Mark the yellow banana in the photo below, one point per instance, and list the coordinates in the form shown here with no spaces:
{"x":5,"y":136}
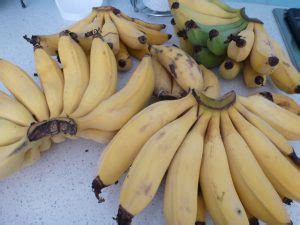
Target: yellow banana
{"x":124,"y":147}
{"x":252,"y":79}
{"x":181,"y":66}
{"x":284,"y":121}
{"x":163,"y":81}
{"x":177,"y":91}
{"x":52,"y":80}
{"x":103,"y":78}
{"x":58,"y":139}
{"x":12,"y":110}
{"x":200,"y":220}
{"x":240,"y":47}
{"x":181,"y":189}
{"x":114,"y":112}
{"x":263,"y":58}
{"x":254,"y":189}
{"x":99,"y":136}
{"x":129,"y":34}
{"x":229,"y":69}
{"x":139,"y":53}
{"x":8,"y":150}
{"x":221,"y":199}
{"x":283,"y":175}
{"x":96,"y":24}
{"x":285,"y":77}
{"x":45,"y":144}
{"x":149,"y":167}
{"x":211,"y":83}
{"x":76,"y":72}
{"x":10,"y":132}
{"x":186,"y":46}
{"x":80,"y":25}
{"x":123,"y":58}
{"x":110,"y":34}
{"x":31,"y":156}
{"x":24,"y":89}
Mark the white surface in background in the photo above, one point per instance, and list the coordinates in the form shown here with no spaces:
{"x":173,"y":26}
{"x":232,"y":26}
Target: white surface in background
{"x":76,"y":9}
{"x":57,"y":189}
{"x":158,"y":5}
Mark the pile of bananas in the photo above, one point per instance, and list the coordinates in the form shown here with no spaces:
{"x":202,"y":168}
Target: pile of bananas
{"x":125,"y":35}
{"x":217,"y":35}
{"x":78,"y":100}
{"x":228,"y":155}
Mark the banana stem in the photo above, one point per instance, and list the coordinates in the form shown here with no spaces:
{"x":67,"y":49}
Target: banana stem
{"x":97,"y":186}
{"x":51,"y":127}
{"x":123,"y":217}
{"x":34,"y":40}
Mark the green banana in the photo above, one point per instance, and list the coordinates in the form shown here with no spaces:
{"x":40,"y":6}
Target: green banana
{"x":204,"y":56}
{"x":218,"y":41}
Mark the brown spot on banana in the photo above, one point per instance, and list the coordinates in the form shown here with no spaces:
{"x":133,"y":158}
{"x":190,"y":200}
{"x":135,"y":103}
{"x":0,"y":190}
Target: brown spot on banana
{"x":173,"y":70}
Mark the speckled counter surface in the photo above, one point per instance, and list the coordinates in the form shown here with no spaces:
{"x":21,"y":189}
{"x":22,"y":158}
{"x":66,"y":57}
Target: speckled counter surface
{"x":57,"y":189}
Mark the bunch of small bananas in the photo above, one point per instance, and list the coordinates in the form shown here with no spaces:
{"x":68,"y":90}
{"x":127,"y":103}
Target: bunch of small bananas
{"x":78,"y":100}
{"x":217,"y":35}
{"x":228,"y":155}
{"x":125,"y":35}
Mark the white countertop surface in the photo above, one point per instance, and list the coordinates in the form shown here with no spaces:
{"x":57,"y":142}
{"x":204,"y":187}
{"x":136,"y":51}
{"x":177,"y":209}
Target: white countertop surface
{"x":57,"y":189}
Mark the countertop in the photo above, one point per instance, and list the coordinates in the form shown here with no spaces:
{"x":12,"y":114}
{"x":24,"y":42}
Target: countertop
{"x":57,"y":189}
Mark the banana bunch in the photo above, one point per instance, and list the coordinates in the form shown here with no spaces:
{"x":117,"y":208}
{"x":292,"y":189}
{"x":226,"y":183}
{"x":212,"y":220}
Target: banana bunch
{"x":78,"y":99}
{"x":234,"y":149}
{"x":123,"y":34}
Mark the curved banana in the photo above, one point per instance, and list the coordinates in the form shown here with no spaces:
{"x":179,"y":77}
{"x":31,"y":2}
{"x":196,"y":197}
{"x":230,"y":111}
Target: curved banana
{"x":253,"y":187}
{"x":114,"y":112}
{"x":99,"y":136}
{"x":21,"y":85}
{"x":10,"y":132}
{"x":103,"y":78}
{"x":76,"y":72}
{"x":221,"y":199}
{"x":283,"y":175}
{"x":181,"y":189}
{"x":96,"y":24}
{"x":186,"y":46}
{"x":123,"y":58}
{"x":200,"y":220}
{"x":211,"y":83}
{"x":181,"y":66}
{"x":110,"y":34}
{"x":52,"y":80}
{"x":11,"y":109}
{"x":139,"y":53}
{"x":229,"y":69}
{"x":284,"y":121}
{"x":114,"y":161}
{"x":128,"y":32}
{"x":253,"y":79}
{"x":147,"y":172}
{"x":241,"y":45}
{"x":263,"y":58}
{"x":177,"y":91}
{"x":205,"y":57}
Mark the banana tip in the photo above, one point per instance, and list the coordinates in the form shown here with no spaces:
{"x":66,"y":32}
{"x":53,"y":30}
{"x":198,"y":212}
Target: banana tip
{"x":267,"y":95}
{"x":97,"y":186}
{"x":287,"y":201}
{"x":253,"y":221}
{"x":169,"y":36}
{"x":273,"y":61}
{"x":123,"y":217}
{"x":293,"y":156}
{"x":200,"y":223}
{"x":122,"y":63}
{"x":142,"y":39}
{"x":297,"y":89}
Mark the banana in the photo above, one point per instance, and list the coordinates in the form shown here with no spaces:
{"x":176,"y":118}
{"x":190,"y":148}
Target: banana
{"x":110,"y":34}
{"x":224,"y":6}
{"x":24,"y":89}
{"x":186,"y":46}
{"x":58,"y":139}
{"x":163,"y":81}
{"x":253,"y":79}
{"x":200,"y":220}
{"x":177,"y":91}
{"x":103,"y":78}
{"x":218,"y":41}
{"x":11,"y":109}
{"x":8,"y":150}
{"x":114,"y":161}
{"x":31,"y":156}
{"x":115,"y":111}
{"x":263,"y":58}
{"x":123,"y":58}
{"x":96,"y":24}
{"x":221,"y":199}
{"x":128,"y":33}
{"x":76,"y":72}
{"x":99,"y":136}
{"x":205,"y":57}
{"x":10,"y":132}
{"x":211,"y":83}
{"x":139,"y":53}
{"x":229,"y":69}
{"x":285,"y":122}
{"x":254,"y":189}
{"x":283,"y":175}
{"x":180,"y":65}
{"x":241,"y":45}
{"x":181,"y":189}
{"x":80,"y":25}
{"x":52,"y":80}
{"x":278,"y":139}
{"x":149,"y":167}
{"x":283,"y":101}
{"x":285,"y":77}
{"x":45,"y":144}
